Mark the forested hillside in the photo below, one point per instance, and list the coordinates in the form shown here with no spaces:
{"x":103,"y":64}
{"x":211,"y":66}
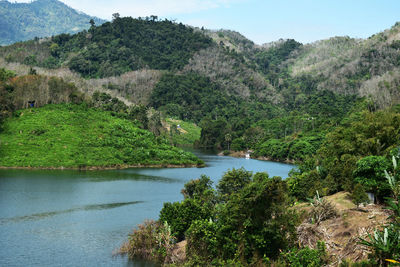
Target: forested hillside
{"x":279,"y":99}
{"x":367,"y":68}
{"x":40,"y":18}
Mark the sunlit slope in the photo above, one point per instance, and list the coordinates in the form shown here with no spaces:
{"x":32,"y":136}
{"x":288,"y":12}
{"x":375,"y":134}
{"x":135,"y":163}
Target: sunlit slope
{"x":75,"y":136}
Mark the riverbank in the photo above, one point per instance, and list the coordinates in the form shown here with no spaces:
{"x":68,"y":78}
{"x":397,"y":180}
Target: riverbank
{"x":119,"y":167}
{"x":242,"y":154}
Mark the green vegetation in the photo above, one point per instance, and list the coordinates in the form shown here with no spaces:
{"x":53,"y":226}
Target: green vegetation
{"x":116,"y":47}
{"x":306,"y":257}
{"x":242,"y":223}
{"x":76,"y":136}
{"x":183,"y":133}
{"x":41,"y":18}
{"x":359,"y":196}
{"x":357,"y":151}
{"x":385,"y":243}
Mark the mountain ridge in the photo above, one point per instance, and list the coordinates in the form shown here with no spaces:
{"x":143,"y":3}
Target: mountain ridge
{"x":40,"y":18}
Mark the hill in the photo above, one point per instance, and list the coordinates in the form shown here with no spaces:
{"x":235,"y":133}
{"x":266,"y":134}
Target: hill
{"x":76,"y":136}
{"x":368,"y":68}
{"x":40,"y":18}
{"x":276,"y":99}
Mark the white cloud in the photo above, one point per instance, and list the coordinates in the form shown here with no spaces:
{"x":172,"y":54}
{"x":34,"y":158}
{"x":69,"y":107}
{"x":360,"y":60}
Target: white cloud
{"x":137,"y":8}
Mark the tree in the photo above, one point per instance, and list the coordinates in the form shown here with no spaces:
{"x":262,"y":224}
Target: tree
{"x":232,"y":182}
{"x":228,"y":140}
{"x":359,"y":196}
{"x":370,"y":172}
{"x":200,"y":189}
{"x":115,"y":16}
{"x":92,"y":23}
{"x":255,"y":221}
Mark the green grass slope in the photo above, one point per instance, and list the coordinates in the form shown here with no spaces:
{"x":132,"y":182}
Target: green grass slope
{"x":75,"y":136}
{"x":186,"y":134}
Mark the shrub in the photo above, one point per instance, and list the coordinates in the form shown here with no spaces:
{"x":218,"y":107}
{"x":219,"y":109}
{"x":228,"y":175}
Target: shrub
{"x":306,"y":256}
{"x":180,"y":215}
{"x":202,"y":244}
{"x":150,"y":241}
{"x":321,"y":210}
{"x":359,"y":196}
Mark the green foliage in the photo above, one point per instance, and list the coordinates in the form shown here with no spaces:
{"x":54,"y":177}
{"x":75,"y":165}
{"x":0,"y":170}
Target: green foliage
{"x":200,"y":189}
{"x":306,"y":256}
{"x":241,"y":227}
{"x":6,"y":74}
{"x":269,"y":59}
{"x":304,"y":185}
{"x":68,"y":135}
{"x":6,"y":100}
{"x":202,"y":247}
{"x":196,"y":95}
{"x":127,"y":44}
{"x":361,"y":135}
{"x":150,"y":241}
{"x":255,"y":222}
{"x":187,"y":134}
{"x":369,"y":172}
{"x":385,"y":244}
{"x":180,"y":215}
{"x":46,"y":18}
{"x":359,"y":196}
{"x":232,"y":182}
{"x":108,"y":103}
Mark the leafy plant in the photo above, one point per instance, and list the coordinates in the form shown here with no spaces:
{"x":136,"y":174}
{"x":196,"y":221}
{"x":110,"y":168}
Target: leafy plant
{"x":321,"y":210}
{"x":306,"y":256}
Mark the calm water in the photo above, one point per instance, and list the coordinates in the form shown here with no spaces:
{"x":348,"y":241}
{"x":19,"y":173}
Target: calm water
{"x":72,"y":218}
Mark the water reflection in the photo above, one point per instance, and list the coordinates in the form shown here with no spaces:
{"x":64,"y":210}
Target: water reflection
{"x":44,"y":215}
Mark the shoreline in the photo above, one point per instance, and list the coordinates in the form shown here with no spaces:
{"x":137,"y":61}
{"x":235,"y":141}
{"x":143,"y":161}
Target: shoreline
{"x":242,"y":154}
{"x":97,"y":168}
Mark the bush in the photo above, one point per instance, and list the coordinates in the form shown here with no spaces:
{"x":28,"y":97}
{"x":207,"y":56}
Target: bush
{"x":150,"y":241}
{"x":359,"y":196}
{"x":306,"y":256}
{"x":202,"y":244}
{"x":321,"y":210}
{"x":180,"y":215}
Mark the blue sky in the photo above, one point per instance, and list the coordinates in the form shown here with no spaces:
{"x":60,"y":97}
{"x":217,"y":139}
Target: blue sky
{"x":261,"y":20}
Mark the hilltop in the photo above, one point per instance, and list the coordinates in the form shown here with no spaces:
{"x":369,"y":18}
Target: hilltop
{"x":40,"y":18}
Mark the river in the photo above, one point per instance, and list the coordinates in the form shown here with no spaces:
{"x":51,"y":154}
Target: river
{"x":73,"y":218}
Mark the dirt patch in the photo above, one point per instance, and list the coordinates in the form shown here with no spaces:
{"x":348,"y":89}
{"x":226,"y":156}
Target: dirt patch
{"x":342,"y":234}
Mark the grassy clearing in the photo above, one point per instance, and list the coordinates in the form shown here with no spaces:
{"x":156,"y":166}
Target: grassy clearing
{"x":187,"y":134}
{"x":75,"y":136}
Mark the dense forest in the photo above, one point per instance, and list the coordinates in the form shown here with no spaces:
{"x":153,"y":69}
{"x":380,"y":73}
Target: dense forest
{"x":40,"y":18}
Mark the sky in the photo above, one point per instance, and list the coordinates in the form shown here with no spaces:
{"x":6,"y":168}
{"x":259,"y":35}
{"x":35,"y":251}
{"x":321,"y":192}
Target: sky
{"x":261,"y":21}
